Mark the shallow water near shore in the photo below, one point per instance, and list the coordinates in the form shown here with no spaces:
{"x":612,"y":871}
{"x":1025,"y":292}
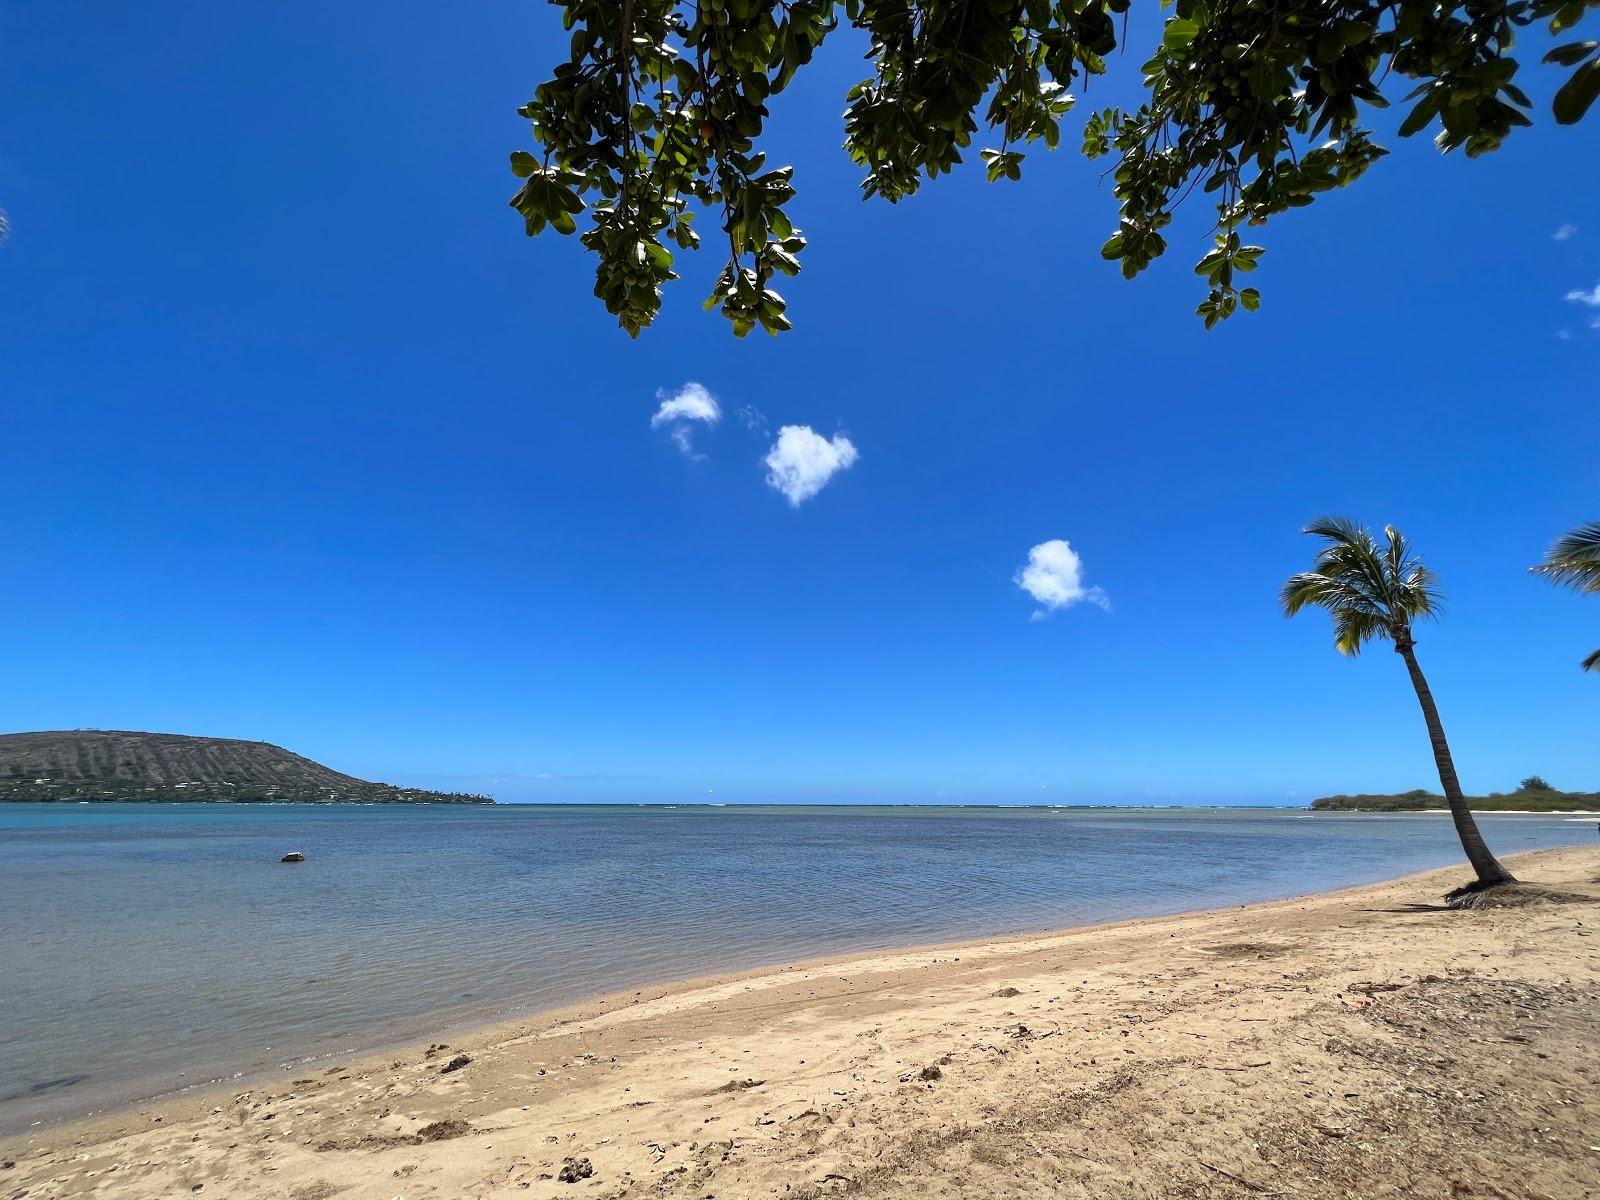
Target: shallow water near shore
{"x":150,"y":947}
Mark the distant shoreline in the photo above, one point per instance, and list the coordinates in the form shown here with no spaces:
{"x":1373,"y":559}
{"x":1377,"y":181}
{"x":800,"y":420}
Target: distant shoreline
{"x":428,"y":798}
{"x":1524,"y":800}
{"x":416,"y":798}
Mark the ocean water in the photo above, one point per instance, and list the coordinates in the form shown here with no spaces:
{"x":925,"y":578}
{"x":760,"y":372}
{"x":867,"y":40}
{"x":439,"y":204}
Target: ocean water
{"x":145,"y":948}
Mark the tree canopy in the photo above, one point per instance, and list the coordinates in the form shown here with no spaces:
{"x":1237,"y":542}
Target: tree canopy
{"x":662,"y":104}
{"x":1372,"y":591}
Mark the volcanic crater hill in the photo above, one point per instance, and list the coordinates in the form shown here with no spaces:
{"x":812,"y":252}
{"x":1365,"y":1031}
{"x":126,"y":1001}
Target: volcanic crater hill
{"x":119,"y":765}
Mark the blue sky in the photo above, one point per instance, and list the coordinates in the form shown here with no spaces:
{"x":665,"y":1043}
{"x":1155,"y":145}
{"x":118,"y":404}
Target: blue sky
{"x":304,"y":441}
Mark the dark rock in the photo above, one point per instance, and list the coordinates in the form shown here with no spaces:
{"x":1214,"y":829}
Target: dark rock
{"x":929,"y":1074}
{"x":574,"y":1169}
{"x":293,"y":856}
{"x":455,"y":1064}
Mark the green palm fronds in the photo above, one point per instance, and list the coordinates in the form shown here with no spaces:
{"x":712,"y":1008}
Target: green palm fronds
{"x":1573,"y":560}
{"x":1371,"y":590}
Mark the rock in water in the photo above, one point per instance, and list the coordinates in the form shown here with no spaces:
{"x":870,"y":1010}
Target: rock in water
{"x":293,"y":856}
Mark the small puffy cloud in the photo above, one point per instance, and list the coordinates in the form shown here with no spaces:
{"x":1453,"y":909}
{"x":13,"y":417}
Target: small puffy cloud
{"x":691,"y":402}
{"x":802,"y":461}
{"x":1565,"y":232}
{"x":678,"y":409}
{"x":1592,"y":299}
{"x":1053,"y":575}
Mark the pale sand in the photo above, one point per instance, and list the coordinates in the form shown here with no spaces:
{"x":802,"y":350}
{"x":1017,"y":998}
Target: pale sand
{"x":1355,"y":1044}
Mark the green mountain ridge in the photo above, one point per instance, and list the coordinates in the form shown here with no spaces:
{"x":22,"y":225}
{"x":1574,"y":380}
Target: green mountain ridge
{"x":122,"y":765}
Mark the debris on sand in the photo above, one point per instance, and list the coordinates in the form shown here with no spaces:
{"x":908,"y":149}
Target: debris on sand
{"x":1516,"y":895}
{"x":737,"y":1085}
{"x":574,"y":1169}
{"x":434,"y":1131}
{"x":455,"y":1064}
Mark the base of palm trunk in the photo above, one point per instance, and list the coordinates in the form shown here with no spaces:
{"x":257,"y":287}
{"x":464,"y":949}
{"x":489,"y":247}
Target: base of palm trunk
{"x":1472,"y":895}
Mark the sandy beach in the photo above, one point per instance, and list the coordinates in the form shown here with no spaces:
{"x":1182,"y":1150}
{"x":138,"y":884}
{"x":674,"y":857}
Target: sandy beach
{"x":1362,"y":1043}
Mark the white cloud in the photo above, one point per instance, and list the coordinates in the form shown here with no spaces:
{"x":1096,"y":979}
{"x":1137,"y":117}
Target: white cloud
{"x":1565,"y":232}
{"x":802,"y":461}
{"x":689,"y":403}
{"x":1592,"y":299}
{"x":1053,"y":575}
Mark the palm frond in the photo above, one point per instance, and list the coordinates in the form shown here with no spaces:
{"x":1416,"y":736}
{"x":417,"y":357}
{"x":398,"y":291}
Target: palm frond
{"x":1573,"y":559}
{"x":1592,"y":663}
{"x":1354,"y":628}
{"x":1371,"y":591}
{"x":1314,"y":588}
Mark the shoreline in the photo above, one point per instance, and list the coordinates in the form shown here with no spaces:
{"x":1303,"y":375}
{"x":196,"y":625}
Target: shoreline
{"x":409,"y":1033}
{"x":500,"y":1019}
{"x":670,"y":1060}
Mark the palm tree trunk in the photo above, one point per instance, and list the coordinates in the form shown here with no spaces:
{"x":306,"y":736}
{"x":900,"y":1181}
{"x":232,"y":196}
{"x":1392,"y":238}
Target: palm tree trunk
{"x":1489,"y":870}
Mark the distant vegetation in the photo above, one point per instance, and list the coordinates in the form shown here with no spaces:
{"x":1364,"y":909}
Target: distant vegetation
{"x":1525,"y":799}
{"x":114,"y":765}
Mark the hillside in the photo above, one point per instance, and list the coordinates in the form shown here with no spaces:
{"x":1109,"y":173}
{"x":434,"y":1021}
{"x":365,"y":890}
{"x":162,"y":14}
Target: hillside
{"x":1420,"y":798}
{"x":93,"y":764}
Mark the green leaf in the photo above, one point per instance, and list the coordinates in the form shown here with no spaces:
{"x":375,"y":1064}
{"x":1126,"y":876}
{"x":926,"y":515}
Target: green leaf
{"x":1178,"y":33}
{"x":1418,"y":118}
{"x":523,"y":164}
{"x":1577,"y":94}
{"x":1571,"y":53}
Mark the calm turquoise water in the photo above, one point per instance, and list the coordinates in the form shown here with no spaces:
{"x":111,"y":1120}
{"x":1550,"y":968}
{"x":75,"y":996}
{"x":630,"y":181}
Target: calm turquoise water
{"x":138,"y":943}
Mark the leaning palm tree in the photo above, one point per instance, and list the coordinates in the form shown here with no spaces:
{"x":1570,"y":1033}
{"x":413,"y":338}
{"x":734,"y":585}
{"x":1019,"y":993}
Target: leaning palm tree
{"x":1376,"y":592}
{"x":1574,"y":560}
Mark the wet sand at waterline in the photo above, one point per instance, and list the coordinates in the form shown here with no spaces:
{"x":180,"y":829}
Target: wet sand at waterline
{"x":1360,"y":1043}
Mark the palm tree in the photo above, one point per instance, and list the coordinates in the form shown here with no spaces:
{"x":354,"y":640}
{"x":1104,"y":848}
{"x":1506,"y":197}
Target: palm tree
{"x":1375,"y":592}
{"x":1574,"y":560}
